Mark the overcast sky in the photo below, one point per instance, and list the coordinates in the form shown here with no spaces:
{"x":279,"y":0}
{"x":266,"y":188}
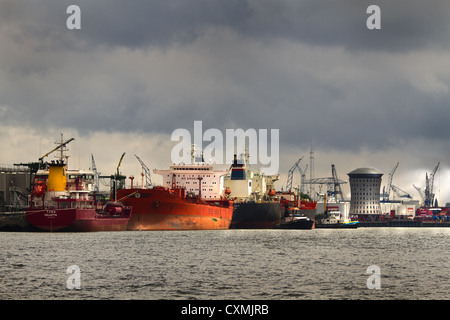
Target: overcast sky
{"x":138,"y":70}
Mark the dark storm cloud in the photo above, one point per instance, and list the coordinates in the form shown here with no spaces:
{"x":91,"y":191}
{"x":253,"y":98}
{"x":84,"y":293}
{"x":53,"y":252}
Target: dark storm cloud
{"x":230,"y":63}
{"x":136,"y":24}
{"x":405,"y":24}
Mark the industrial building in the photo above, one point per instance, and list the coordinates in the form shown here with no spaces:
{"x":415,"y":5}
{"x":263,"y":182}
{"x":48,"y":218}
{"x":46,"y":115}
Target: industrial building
{"x":365,"y":184}
{"x":14,"y":185}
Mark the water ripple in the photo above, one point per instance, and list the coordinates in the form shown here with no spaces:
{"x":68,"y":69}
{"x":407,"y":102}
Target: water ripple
{"x":229,"y":264}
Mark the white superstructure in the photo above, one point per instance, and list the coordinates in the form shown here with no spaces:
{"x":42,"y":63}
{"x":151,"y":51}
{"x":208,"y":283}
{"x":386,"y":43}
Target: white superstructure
{"x":190,"y":176}
{"x":246,"y":184}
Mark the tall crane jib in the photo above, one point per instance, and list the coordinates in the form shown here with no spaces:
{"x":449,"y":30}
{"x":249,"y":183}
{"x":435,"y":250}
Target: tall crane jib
{"x":429,"y":193}
{"x":337,"y":185}
{"x":60,"y":146}
{"x":291,"y":174}
{"x":148,"y":177}
{"x":96,"y":174}
{"x":386,"y":193}
{"x":421,"y":193}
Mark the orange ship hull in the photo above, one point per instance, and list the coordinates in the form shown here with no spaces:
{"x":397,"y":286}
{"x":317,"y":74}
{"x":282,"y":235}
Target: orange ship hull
{"x":163,"y":209}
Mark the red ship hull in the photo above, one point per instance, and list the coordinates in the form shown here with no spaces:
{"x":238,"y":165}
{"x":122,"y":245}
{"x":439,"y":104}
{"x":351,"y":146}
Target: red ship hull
{"x":163,"y":209}
{"x":75,"y":220}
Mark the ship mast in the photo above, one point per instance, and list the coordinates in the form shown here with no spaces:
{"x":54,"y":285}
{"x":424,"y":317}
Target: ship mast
{"x":61,"y":146}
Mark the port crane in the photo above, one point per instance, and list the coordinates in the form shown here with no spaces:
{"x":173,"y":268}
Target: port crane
{"x":401,"y":193}
{"x":118,"y":179}
{"x":120,"y":161}
{"x":303,"y":179}
{"x":421,"y":193}
{"x":429,"y":194}
{"x":333,"y":184}
{"x":146,"y":172}
{"x":386,"y":193}
{"x":337,"y":184}
{"x":291,"y":174}
{"x":96,"y":174}
{"x":396,"y":190}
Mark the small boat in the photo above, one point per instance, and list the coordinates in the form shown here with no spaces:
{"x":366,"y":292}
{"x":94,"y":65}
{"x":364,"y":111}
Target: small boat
{"x":333,"y":221}
{"x":295,"y":220}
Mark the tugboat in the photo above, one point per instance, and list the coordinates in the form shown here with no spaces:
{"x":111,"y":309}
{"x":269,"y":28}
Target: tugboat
{"x":63,"y":200}
{"x":297,"y":214}
{"x":333,"y":219}
{"x":295,"y":220}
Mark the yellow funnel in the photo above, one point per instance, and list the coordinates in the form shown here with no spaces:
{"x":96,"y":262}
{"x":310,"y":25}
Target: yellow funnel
{"x":57,"y":177}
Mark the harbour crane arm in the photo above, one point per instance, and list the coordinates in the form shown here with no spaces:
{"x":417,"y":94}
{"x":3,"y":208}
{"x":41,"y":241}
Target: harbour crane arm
{"x":389,"y":184}
{"x":96,"y":174}
{"x":422,"y":195}
{"x":59,"y":146}
{"x":432,"y":177}
{"x":121,"y":158}
{"x":401,"y":193}
{"x":291,"y":174}
{"x":148,"y":177}
{"x":337,"y":185}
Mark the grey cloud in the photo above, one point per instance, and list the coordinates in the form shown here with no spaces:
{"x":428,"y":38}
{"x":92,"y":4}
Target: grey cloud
{"x":406,"y":25}
{"x":246,"y":64}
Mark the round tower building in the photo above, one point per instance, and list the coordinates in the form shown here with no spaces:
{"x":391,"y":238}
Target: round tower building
{"x":365,"y":184}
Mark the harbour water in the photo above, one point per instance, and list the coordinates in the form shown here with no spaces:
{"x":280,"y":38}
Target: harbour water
{"x":229,"y":264}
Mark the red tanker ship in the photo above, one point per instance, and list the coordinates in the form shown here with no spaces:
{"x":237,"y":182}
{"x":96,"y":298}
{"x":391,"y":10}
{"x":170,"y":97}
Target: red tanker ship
{"x":192,"y":198}
{"x":64,"y":200}
{"x":162,"y":208}
{"x":61,"y":201}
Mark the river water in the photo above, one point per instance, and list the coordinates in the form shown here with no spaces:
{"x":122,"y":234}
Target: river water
{"x":413,"y":263}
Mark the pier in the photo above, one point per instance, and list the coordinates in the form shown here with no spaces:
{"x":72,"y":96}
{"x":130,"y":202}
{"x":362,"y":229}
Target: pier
{"x":403,"y":223}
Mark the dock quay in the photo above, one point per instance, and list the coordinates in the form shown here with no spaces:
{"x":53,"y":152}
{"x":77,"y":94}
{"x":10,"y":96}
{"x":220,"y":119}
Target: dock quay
{"x":403,"y":223}
{"x":13,"y":221}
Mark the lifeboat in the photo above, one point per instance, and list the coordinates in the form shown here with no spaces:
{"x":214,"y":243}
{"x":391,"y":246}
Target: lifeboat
{"x":39,"y":188}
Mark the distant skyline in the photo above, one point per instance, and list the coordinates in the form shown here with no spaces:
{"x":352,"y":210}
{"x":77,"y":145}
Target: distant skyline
{"x":138,"y":70}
